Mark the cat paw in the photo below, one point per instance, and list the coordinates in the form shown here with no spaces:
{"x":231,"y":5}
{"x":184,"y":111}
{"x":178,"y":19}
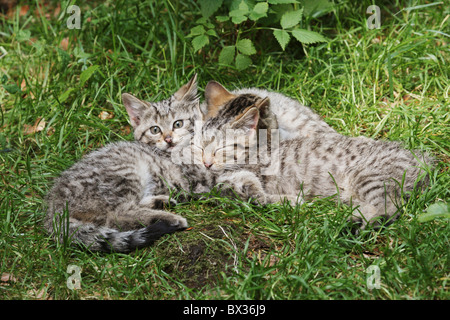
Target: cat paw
{"x":179,"y":222}
{"x":158,"y":202}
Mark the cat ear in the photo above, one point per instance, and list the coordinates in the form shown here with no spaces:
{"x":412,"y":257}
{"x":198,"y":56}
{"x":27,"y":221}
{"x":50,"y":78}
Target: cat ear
{"x":248,"y":120}
{"x":135,"y":108}
{"x":187,"y":92}
{"x":199,"y":113}
{"x":262,"y":103}
{"x":216,"y":96}
{"x":263,"y":106}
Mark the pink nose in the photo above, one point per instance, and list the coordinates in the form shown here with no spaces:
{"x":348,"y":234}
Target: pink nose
{"x":168,"y":139}
{"x":208,"y":164}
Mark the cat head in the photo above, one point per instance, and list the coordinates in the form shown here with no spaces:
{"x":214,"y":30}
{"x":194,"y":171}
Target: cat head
{"x":228,"y":136}
{"x":167,"y":123}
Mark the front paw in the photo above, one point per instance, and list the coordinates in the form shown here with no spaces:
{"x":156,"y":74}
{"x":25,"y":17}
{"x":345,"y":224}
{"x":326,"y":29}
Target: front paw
{"x":254,"y":191}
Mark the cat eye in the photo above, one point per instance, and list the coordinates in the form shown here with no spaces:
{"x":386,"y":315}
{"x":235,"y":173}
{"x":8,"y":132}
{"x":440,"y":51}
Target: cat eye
{"x":178,"y":124}
{"x":155,"y":130}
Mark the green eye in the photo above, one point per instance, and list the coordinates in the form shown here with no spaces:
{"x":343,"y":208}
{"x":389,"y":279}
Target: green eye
{"x":178,"y":124}
{"x":155,"y":130}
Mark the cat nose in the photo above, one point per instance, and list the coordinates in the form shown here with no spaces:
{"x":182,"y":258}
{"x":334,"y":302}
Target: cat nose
{"x":168,"y":139}
{"x":207,"y":164}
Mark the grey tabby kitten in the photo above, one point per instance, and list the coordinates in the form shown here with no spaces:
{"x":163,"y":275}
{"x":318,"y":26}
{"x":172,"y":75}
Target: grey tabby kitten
{"x":293,"y":119}
{"x":111,"y":199}
{"x":373,"y":175}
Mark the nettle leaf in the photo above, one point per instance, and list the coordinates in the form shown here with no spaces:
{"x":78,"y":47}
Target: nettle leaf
{"x":208,"y":7}
{"x":291,"y":18}
{"x":259,"y":11}
{"x":306,"y":36}
{"x":211,"y":32}
{"x":227,"y":55}
{"x":238,"y":19}
{"x":245,"y":46}
{"x":282,"y":37}
{"x":200,"y":41}
{"x":196,"y":31}
{"x":243,"y":61}
{"x":239,"y":15}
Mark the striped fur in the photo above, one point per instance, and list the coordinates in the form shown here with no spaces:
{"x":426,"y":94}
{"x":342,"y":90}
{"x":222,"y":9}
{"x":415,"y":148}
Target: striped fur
{"x":112,"y":199}
{"x":293,"y":119}
{"x":371,"y":174}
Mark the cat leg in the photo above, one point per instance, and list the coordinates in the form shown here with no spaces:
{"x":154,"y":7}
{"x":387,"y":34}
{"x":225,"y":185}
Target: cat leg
{"x":245,"y":184}
{"x":377,"y":197}
{"x":131,"y":216}
{"x":376,"y":214}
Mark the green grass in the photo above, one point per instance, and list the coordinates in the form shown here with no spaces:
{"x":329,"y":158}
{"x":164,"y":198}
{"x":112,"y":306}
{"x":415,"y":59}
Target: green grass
{"x":388,"y":83}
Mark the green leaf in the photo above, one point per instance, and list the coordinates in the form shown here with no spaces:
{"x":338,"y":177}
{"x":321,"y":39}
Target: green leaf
{"x":86,"y":74}
{"x":200,"y":41}
{"x":196,"y":31}
{"x":291,"y":18}
{"x":306,"y":36}
{"x":227,"y":55}
{"x":259,"y":11}
{"x":208,"y":7}
{"x":238,"y":19}
{"x":436,"y":210}
{"x":202,"y":20}
{"x":63,"y":97}
{"x":211,"y":32}
{"x":239,"y":15}
{"x":11,"y":88}
{"x":243,"y":61}
{"x":317,"y":8}
{"x":245,"y":46}
{"x":282,"y":36}
{"x":243,"y":7}
{"x":222,"y":18}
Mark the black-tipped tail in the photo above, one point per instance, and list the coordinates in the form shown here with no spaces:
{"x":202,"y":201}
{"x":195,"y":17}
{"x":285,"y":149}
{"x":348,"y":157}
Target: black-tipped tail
{"x":129,"y":241}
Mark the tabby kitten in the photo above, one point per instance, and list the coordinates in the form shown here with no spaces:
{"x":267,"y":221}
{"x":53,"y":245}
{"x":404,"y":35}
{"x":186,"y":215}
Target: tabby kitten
{"x":370,"y":174}
{"x":168,"y":124}
{"x":111,"y":200}
{"x":293,"y":119}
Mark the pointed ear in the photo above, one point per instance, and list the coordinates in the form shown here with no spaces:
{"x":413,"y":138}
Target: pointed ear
{"x":135,"y":108}
{"x":188,"y":91}
{"x":216,"y":96}
{"x":263,"y":106}
{"x":247,"y":121}
{"x":262,"y":103}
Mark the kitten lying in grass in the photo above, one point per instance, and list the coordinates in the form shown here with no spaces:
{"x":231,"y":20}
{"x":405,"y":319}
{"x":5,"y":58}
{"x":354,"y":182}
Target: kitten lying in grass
{"x":111,"y":200}
{"x":373,"y":175}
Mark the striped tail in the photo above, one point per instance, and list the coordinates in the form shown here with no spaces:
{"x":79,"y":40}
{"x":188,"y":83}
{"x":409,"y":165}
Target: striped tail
{"x":104,"y":239}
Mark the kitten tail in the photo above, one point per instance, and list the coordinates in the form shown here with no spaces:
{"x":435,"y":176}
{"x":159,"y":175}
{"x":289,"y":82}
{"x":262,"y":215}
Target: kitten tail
{"x":104,"y":239}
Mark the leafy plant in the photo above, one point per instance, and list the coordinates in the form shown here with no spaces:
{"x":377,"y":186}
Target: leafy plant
{"x":285,"y":19}
{"x":435,"y":211}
